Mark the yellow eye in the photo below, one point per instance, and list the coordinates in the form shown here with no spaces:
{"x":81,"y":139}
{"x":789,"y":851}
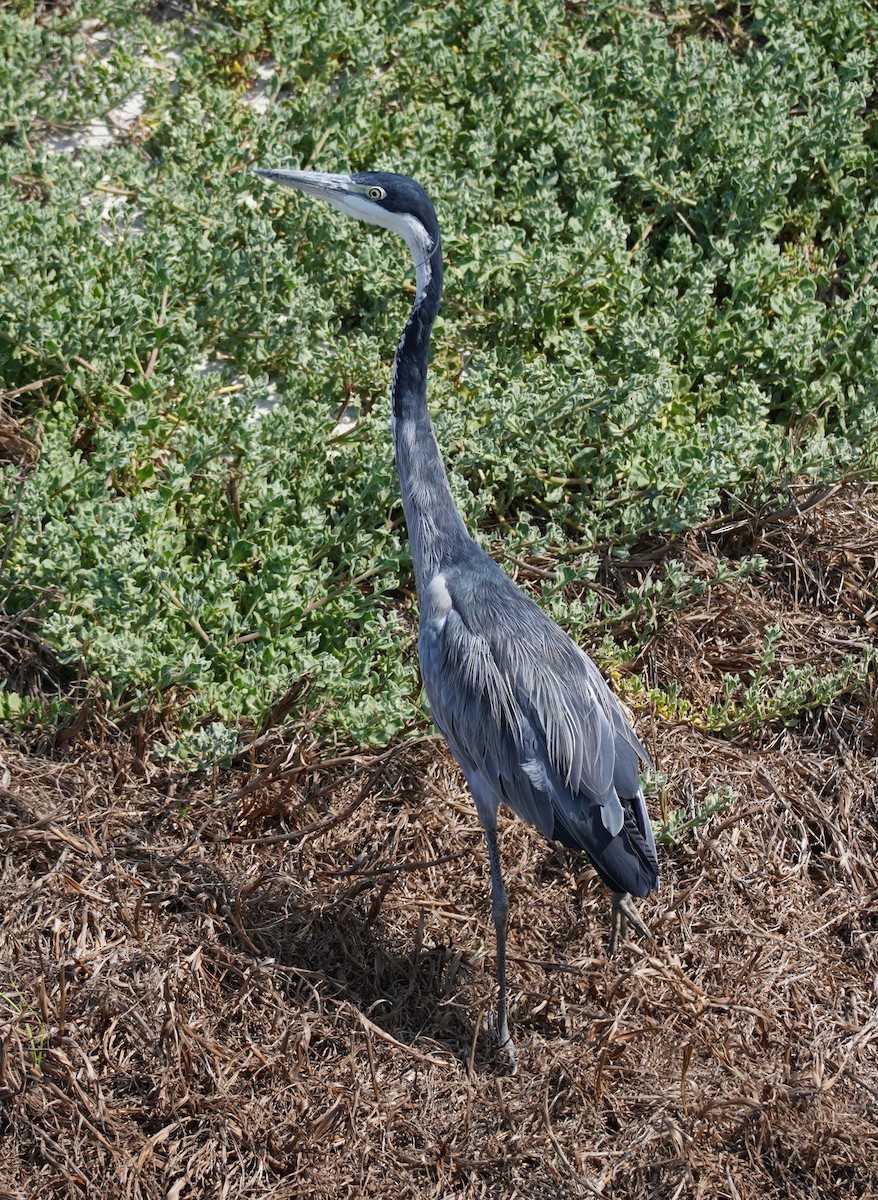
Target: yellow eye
{"x":376,"y":193}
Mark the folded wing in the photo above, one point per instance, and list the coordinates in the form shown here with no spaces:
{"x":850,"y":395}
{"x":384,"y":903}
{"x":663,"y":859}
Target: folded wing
{"x":527,"y":713}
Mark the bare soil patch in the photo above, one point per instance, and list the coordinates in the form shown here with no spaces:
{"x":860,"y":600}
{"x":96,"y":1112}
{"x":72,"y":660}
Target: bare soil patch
{"x":273,"y":982}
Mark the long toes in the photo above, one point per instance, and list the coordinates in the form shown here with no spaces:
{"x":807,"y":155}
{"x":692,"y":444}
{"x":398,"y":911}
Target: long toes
{"x":615,"y":930}
{"x":624,"y":911}
{"x":634,"y":920}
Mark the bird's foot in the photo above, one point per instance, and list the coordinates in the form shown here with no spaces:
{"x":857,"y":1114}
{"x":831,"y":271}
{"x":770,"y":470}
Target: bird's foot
{"x":624,"y":911}
{"x":500,"y":1033}
{"x":508,"y":1048}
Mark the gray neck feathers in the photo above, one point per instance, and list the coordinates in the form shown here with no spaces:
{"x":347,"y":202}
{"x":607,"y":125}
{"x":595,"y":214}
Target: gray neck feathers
{"x":436,"y":530}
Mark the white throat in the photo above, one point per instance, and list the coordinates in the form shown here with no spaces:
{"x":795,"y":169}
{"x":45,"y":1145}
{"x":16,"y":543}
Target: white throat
{"x":419,"y":242}
{"x":420,"y":246}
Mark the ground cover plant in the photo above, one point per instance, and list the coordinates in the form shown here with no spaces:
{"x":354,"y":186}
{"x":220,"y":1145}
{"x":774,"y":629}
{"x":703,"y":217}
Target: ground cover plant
{"x":661,"y":233}
{"x":245,"y":918}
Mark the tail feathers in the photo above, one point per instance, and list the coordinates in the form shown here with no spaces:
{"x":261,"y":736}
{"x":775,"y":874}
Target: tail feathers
{"x":626,"y":862}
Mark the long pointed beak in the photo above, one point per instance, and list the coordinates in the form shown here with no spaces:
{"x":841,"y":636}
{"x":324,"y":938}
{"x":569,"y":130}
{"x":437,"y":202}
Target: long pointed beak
{"x":314,"y":183}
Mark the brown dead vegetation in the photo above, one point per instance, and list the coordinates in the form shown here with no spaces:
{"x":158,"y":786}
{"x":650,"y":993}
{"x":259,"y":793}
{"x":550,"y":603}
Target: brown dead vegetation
{"x":272,"y":983}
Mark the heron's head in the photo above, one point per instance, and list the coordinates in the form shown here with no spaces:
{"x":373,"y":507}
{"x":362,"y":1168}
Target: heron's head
{"x":393,"y":201}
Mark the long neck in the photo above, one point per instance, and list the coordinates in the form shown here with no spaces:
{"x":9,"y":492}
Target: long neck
{"x":435,"y":527}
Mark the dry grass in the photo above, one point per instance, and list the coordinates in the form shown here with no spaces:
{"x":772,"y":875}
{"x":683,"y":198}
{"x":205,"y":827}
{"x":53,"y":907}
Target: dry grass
{"x":272,"y":983}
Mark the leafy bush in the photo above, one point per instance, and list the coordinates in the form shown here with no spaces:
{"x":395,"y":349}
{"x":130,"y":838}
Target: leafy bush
{"x":661,"y":234}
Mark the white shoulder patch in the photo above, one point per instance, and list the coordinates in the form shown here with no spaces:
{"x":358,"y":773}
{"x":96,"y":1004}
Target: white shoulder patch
{"x":438,"y":603}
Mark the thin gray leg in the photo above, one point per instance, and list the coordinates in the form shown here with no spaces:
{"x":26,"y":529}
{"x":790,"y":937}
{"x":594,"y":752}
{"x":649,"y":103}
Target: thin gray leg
{"x":624,"y":911}
{"x":500,"y":913}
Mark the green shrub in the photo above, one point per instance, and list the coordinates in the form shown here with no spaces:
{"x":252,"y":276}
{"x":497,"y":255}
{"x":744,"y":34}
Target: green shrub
{"x":660,"y":300}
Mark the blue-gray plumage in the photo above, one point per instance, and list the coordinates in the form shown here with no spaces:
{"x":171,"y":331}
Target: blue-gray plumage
{"x":525,"y":712}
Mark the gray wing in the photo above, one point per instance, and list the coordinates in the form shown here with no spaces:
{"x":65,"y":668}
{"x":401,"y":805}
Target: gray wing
{"x":527,"y":713}
{"x":474,"y":706}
